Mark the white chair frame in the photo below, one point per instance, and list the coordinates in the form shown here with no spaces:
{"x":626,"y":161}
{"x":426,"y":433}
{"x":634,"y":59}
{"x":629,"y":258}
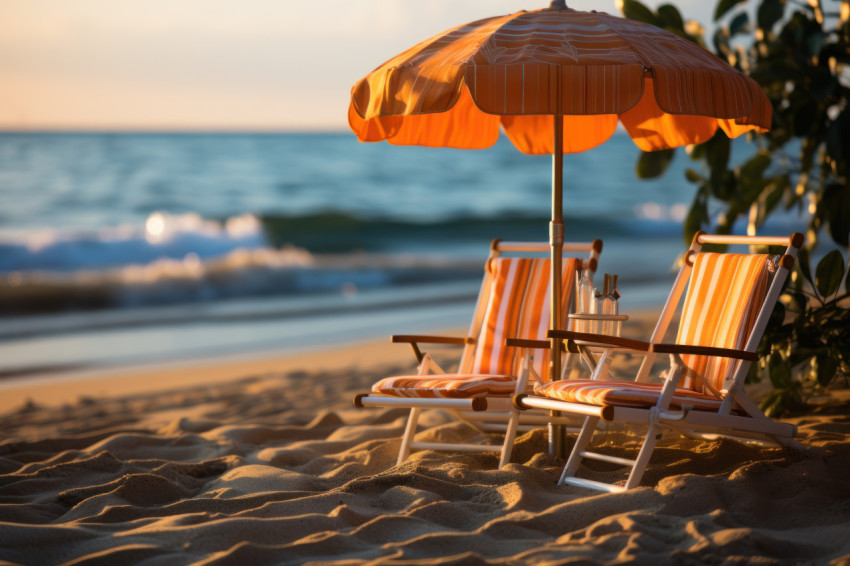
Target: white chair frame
{"x":490,"y":414}
{"x":754,"y":426}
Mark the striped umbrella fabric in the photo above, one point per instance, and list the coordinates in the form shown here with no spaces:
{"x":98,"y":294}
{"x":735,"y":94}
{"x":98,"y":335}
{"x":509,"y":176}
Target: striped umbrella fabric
{"x":555,"y":81}
{"x":459,"y":87}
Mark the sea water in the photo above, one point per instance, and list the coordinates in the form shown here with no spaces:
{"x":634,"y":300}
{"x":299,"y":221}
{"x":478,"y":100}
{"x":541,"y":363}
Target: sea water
{"x":118,"y":248}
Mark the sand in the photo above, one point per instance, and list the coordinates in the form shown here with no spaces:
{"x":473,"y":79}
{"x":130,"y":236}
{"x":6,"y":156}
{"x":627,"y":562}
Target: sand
{"x":266,"y":462}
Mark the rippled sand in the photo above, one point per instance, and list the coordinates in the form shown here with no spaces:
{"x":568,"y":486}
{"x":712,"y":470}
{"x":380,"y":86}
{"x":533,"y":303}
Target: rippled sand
{"x":279,"y":469}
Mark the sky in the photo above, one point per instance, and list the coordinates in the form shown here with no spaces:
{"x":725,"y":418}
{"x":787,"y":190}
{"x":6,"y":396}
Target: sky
{"x":216,"y":64}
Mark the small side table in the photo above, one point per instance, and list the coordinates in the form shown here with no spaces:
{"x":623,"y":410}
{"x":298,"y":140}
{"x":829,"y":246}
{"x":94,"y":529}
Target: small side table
{"x":617,"y":321}
{"x":599,"y":368}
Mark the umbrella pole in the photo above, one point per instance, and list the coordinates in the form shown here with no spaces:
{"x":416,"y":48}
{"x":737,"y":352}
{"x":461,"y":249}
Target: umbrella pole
{"x":556,"y":239}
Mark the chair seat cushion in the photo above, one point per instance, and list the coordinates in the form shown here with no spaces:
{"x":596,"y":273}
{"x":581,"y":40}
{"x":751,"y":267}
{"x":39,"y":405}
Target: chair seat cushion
{"x":621,"y":394}
{"x":446,"y":385}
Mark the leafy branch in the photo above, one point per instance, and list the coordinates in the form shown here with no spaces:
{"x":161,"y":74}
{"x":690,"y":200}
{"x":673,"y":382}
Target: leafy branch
{"x":799,"y":54}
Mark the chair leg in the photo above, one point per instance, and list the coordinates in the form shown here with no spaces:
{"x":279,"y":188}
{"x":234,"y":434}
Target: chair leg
{"x":526,"y":372}
{"x":582,"y":441}
{"x":510,"y":436}
{"x":642,"y":460}
{"x":409,"y":433}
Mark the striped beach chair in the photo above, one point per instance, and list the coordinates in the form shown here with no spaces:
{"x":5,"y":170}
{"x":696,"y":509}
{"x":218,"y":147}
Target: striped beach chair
{"x":513,"y":303}
{"x":730,"y":297}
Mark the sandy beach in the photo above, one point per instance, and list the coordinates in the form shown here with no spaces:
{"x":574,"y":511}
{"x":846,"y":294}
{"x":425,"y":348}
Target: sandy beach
{"x":212,"y":217}
{"x":267,"y":462}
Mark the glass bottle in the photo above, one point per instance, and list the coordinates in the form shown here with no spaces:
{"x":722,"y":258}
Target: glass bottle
{"x":607,"y":305}
{"x":615,"y":309}
{"x":585,"y":299}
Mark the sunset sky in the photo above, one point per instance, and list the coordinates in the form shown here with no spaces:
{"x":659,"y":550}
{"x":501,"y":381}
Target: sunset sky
{"x":215,"y":64}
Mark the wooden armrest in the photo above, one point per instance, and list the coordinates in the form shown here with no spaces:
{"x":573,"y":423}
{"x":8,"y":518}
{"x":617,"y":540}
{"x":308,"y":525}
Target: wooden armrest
{"x":526,"y":343}
{"x":704,"y":351}
{"x":600,"y":339}
{"x":533,"y":344}
{"x":414,"y":338}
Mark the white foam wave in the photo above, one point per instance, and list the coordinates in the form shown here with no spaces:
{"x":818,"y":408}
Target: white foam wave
{"x":659,"y":212}
{"x":163,"y":237}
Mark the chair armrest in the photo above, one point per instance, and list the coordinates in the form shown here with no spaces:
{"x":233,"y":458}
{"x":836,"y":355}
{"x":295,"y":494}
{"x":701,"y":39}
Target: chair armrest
{"x":600,"y":339}
{"x":531,"y":344}
{"x":414,"y":338}
{"x":528,"y":343}
{"x":704,"y":351}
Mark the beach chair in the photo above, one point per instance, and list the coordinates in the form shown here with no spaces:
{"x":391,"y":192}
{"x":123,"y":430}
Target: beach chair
{"x":729,"y":300}
{"x":513,"y":303}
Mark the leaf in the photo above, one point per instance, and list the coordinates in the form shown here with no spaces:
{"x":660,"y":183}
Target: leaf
{"x":698,"y":151}
{"x":670,"y":17}
{"x":847,"y":283}
{"x":725,"y":186}
{"x":717,"y":155}
{"x":777,"y":317}
{"x":721,"y":43}
{"x":826,"y":367}
{"x":837,"y":142}
{"x":774,"y":197}
{"x":780,"y":372}
{"x":805,"y":117}
{"x":754,"y":168}
{"x":770,"y":12}
{"x":829,"y":272}
{"x":739,"y":23}
{"x":771,"y":405}
{"x":836,"y":202}
{"x":807,"y":153}
{"x":693,"y":176}
{"x":634,"y":10}
{"x":823,"y":85}
{"x":778,"y":402}
{"x":753,"y":374}
{"x":799,"y":301}
{"x":724,"y":6}
{"x":804,"y":265}
{"x":652,"y":164}
{"x":697,"y":216}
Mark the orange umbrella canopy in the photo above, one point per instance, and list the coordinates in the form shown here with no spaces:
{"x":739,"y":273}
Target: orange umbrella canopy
{"x":516,"y":71}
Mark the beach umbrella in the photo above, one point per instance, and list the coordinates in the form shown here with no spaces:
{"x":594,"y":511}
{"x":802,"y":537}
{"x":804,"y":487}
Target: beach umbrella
{"x":555,"y":81}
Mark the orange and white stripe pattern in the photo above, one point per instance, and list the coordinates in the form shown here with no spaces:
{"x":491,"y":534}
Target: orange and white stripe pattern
{"x":622,"y":394}
{"x":536,"y":311}
{"x":517,"y":306}
{"x":724,"y":297}
{"x":457,"y":88}
{"x":446,"y":386}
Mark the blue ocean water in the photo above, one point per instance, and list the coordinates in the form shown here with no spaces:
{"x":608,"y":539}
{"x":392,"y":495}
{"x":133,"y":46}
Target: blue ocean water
{"x":146,"y":233}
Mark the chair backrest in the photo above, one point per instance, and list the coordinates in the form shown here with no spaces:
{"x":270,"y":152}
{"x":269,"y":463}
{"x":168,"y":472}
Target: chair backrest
{"x":725,"y":294}
{"x":517,"y":306}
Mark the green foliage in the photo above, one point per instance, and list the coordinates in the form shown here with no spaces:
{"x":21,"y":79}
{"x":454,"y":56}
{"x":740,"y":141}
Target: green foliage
{"x":653,"y":163}
{"x":666,"y":17}
{"x":770,"y":12}
{"x":807,"y":343}
{"x":637,"y":11}
{"x":724,"y":6}
{"x":800,"y":56}
{"x":829,"y":273}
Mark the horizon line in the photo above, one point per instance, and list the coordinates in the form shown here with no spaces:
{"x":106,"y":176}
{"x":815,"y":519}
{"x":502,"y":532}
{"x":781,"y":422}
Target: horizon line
{"x":174,"y":130}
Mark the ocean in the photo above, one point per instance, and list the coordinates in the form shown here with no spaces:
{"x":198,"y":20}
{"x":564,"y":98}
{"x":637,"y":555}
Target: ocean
{"x":118,"y":249}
